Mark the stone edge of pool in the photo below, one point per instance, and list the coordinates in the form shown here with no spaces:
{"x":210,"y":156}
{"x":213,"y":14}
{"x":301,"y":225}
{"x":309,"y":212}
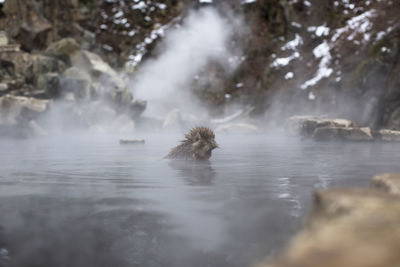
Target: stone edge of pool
{"x":355,"y":227}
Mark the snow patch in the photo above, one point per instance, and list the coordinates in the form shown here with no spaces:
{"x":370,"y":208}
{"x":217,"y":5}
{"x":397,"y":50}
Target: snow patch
{"x":319,"y":30}
{"x":360,"y":24}
{"x":321,"y":51}
{"x":289,"y":76}
{"x":292,"y":45}
{"x":284,"y":61}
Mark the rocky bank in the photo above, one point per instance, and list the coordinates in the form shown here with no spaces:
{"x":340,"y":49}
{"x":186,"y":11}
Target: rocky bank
{"x":338,"y":58}
{"x":349,"y":227}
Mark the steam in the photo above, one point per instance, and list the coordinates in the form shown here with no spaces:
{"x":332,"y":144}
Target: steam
{"x":165,"y":81}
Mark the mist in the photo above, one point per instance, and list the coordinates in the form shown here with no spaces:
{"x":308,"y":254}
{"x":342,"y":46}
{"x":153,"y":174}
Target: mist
{"x":165,"y":82}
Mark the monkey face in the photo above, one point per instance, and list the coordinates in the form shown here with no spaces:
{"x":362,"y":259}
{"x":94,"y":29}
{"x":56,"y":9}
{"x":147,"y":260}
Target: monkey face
{"x":202,"y":147}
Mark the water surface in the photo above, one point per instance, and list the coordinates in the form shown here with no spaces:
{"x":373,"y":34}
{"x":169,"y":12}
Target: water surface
{"x":88,"y":201}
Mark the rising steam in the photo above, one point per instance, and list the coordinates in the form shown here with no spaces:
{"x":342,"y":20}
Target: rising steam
{"x":165,"y":81}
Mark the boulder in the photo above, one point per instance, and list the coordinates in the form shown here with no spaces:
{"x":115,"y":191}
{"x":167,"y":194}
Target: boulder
{"x":389,"y":135}
{"x":98,"y":68}
{"x":19,"y":109}
{"x":63,"y":49}
{"x":136,"y":108}
{"x":30,"y":66}
{"x":77,"y":81}
{"x":50,"y":84}
{"x":120,"y":98}
{"x":387,"y":182}
{"x":347,"y":227}
{"x":3,"y":87}
{"x":173,"y":120}
{"x":330,"y":133}
{"x":3,"y":38}
{"x":237,"y":128}
{"x":306,"y":125}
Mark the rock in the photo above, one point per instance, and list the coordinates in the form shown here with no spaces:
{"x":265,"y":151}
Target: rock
{"x":30,"y":66}
{"x":50,"y":83}
{"x":173,"y":120}
{"x":63,"y":49}
{"x":3,"y":38}
{"x":77,"y":81}
{"x":98,"y":68}
{"x":342,"y":134}
{"x":18,"y":109}
{"x":389,"y":135}
{"x":394,"y":119}
{"x":44,"y":64}
{"x":306,"y":125}
{"x":387,"y":182}
{"x":120,"y":98}
{"x":33,"y":31}
{"x":237,"y":128}
{"x":136,"y":108}
{"x":131,"y":141}
{"x":3,"y":87}
{"x":347,"y":227}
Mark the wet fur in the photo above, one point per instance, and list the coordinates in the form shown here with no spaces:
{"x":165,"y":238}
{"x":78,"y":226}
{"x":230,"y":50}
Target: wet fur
{"x":198,"y":144}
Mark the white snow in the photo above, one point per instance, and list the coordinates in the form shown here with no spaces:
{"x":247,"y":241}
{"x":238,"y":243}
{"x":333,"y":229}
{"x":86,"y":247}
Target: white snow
{"x":118,"y":14}
{"x":284,"y":61}
{"x":161,"y":6}
{"x":321,"y":51}
{"x":206,"y":1}
{"x":239,"y":85}
{"x":142,"y":6}
{"x":289,"y":76}
{"x":248,"y":1}
{"x":319,"y":30}
{"x":296,"y":24}
{"x":292,"y":45}
{"x":360,"y":24}
{"x":307,"y":3}
{"x":311,"y":96}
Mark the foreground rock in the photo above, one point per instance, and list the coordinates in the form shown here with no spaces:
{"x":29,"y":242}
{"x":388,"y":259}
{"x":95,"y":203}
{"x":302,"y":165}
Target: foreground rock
{"x":349,"y":227}
{"x":387,"y":182}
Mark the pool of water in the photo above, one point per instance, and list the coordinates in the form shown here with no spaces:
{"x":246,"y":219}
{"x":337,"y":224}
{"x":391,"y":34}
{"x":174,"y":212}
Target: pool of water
{"x":89,"y":201}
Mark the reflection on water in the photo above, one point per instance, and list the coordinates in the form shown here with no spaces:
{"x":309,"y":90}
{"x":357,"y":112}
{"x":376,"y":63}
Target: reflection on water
{"x":84,"y":201}
{"x":195,"y":173}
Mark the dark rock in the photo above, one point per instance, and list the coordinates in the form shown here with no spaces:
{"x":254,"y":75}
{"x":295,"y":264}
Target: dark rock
{"x":50,"y":84}
{"x":63,"y":49}
{"x":136,"y":108}
{"x":77,"y":81}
